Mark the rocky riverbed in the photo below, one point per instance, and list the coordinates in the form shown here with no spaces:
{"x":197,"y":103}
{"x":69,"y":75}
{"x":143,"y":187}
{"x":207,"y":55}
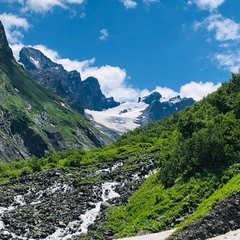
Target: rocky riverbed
{"x":64,"y":203}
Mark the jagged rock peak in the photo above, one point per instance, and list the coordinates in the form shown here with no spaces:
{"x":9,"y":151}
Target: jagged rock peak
{"x":6,"y":53}
{"x":68,"y":85}
{"x":154,"y":96}
{"x":93,"y":97}
{"x":34,"y":59}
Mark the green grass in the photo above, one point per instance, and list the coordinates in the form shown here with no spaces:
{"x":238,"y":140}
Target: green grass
{"x":196,"y":151}
{"x":21,"y":99}
{"x":153,"y":207}
{"x":233,"y":185}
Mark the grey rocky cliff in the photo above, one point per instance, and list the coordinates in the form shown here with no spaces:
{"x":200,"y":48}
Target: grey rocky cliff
{"x":6,"y":54}
{"x":158,"y":110}
{"x":154,"y":96}
{"x":80,"y":94}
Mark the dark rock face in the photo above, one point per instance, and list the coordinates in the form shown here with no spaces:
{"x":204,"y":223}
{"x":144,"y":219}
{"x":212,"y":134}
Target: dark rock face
{"x":79,"y":94}
{"x":6,"y":54}
{"x":154,"y":96}
{"x":91,"y":94}
{"x":158,"y":110}
{"x":224,"y":217}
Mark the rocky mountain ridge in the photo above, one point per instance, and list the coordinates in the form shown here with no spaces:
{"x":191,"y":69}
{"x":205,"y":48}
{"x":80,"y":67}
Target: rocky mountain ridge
{"x":79,"y":94}
{"x":159,"y":109}
{"x":130,"y":115}
{"x":86,"y":96}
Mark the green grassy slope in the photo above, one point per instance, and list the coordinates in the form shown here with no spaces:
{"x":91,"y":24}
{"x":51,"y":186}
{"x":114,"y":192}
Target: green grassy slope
{"x":33,"y":120}
{"x":199,"y":157}
{"x":197,"y":153}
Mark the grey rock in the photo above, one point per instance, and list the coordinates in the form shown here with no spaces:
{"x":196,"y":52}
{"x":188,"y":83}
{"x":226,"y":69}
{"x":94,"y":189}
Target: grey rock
{"x":79,"y":94}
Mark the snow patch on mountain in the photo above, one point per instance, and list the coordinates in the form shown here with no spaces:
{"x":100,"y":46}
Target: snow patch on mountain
{"x":35,"y":62}
{"x":121,"y":118}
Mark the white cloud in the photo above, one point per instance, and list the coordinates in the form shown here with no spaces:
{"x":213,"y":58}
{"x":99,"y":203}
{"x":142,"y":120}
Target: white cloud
{"x":227,"y":33}
{"x":198,"y":90}
{"x":229,"y":60}
{"x":44,"y":5}
{"x":225,"y":29}
{"x":16,"y":49}
{"x":207,"y":4}
{"x":75,"y":1}
{"x":104,"y":34}
{"x":11,"y":24}
{"x":166,"y":92}
{"x":225,"y":45}
{"x":113,"y":80}
{"x":150,"y":1}
{"x":129,"y":3}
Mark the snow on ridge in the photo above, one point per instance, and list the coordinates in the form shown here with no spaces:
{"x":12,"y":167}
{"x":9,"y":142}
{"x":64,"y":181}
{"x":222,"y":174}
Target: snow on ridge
{"x":121,"y":118}
{"x":35,"y":62}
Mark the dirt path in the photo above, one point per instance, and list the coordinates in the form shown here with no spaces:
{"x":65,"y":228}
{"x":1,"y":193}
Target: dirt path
{"x":155,"y":236}
{"x":233,"y":235}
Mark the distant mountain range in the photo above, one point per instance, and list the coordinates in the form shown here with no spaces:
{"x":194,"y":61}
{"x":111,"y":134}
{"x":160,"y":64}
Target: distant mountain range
{"x":79,"y":94}
{"x":111,"y":117}
{"x":35,"y":120}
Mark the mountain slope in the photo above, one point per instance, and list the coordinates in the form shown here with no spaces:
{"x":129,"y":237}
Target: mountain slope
{"x":33,"y":119}
{"x":130,"y":115}
{"x":168,"y":174}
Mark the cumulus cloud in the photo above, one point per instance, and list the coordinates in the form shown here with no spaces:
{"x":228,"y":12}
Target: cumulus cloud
{"x":198,"y":90}
{"x":166,"y":92}
{"x":227,"y":33}
{"x":12,"y":23}
{"x":207,"y":4}
{"x":113,"y":80}
{"x":225,"y":28}
{"x":129,"y":3}
{"x":44,"y":6}
{"x":104,"y":34}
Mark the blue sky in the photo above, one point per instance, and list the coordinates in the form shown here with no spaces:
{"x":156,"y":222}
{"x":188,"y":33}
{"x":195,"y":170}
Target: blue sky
{"x":133,"y":47}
